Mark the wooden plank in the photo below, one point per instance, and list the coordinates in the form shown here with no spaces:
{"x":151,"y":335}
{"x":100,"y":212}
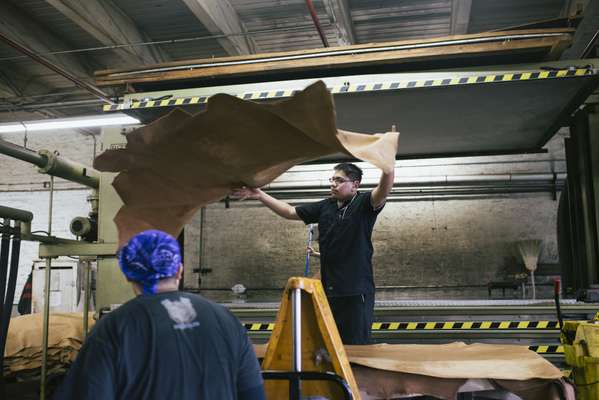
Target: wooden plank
{"x":111,"y":26}
{"x":383,"y":57}
{"x":220,"y":18}
{"x":339,"y":12}
{"x":564,"y":31}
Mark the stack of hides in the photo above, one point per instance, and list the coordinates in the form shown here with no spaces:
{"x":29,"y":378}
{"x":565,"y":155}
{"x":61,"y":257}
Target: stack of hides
{"x":398,"y":371}
{"x":23,"y":353}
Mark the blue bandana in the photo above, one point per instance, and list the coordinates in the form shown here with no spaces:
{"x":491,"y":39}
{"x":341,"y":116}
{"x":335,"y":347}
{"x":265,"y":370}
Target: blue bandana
{"x":148,"y":257}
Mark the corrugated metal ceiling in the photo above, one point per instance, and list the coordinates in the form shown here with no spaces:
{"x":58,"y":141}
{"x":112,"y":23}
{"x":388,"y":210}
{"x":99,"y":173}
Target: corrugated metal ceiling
{"x":489,"y":15}
{"x":288,"y":23}
{"x":274,"y":25}
{"x":377,"y":21}
{"x":168,"y":20}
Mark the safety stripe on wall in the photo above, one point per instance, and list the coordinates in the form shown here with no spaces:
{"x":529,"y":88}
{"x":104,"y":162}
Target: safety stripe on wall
{"x":423,"y":326}
{"x":370,"y":87}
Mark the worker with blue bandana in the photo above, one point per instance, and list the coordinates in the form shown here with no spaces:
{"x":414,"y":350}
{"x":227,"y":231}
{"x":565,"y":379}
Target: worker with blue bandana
{"x":163,"y":344}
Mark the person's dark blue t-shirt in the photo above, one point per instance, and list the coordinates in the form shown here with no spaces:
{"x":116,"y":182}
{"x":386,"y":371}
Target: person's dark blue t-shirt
{"x":170,"y":345}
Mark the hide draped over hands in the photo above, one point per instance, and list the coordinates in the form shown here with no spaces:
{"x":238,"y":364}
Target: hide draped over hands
{"x":181,"y":162}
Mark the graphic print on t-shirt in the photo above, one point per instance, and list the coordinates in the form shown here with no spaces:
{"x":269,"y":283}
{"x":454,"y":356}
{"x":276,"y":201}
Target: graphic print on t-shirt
{"x":182,"y":312}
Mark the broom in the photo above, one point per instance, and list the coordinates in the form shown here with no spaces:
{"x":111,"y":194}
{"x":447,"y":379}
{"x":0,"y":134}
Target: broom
{"x":530,"y":250}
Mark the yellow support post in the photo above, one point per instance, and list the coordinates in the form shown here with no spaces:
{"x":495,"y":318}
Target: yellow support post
{"x":320,"y":343}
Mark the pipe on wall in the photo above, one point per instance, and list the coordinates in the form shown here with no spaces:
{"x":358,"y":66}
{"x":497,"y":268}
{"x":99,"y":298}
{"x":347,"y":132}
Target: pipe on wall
{"x":52,"y":164}
{"x":15,"y":214}
{"x":437,"y":180}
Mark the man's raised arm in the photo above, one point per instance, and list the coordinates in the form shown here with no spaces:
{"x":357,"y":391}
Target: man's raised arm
{"x":279,"y":207}
{"x":381,"y":191}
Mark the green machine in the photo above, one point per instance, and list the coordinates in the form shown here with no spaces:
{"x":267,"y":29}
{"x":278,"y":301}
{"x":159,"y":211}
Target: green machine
{"x":111,"y":287}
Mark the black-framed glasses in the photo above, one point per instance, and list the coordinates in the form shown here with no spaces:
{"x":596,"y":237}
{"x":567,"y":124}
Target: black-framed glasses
{"x":337,"y":180}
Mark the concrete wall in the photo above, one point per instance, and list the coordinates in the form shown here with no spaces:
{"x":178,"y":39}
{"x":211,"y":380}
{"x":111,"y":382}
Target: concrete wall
{"x":418,"y":241}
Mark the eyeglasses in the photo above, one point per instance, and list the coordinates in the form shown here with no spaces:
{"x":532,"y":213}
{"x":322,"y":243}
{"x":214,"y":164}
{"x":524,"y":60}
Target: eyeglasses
{"x":338,"y":180}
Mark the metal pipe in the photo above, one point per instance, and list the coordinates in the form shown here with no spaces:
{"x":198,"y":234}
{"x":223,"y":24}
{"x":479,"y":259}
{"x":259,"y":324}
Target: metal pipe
{"x":59,"y":70}
{"x":161,"y":42}
{"x":88,"y":275}
{"x":47,"y":302}
{"x":589,"y":46}
{"x":4,"y":254}
{"x":56,"y":104}
{"x":296,"y":332}
{"x":10,"y":294}
{"x":453,"y":180}
{"x":69,"y":170}
{"x":15,"y":214}
{"x":4,"y":314}
{"x":52,"y":164}
{"x":317,"y":23}
{"x":21,"y":153}
{"x":296,"y":304}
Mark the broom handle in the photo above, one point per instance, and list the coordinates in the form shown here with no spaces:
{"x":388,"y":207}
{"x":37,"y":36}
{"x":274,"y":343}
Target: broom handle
{"x":532,"y":278}
{"x":556,"y":290}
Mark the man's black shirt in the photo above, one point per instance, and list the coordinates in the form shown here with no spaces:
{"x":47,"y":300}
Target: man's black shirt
{"x":170,"y":345}
{"x":345,"y":243}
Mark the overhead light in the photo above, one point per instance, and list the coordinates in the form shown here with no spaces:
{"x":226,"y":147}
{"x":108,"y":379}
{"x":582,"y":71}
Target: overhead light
{"x":67,"y":123}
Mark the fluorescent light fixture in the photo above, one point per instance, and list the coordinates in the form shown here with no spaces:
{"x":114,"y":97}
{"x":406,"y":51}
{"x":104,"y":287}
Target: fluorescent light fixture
{"x":69,"y":123}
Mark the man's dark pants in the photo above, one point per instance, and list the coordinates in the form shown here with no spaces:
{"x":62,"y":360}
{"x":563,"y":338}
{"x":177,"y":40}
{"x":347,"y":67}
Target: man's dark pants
{"x":353,"y":316}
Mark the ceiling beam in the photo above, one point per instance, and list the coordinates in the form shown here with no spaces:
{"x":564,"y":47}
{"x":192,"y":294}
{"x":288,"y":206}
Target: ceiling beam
{"x":573,"y":7}
{"x":460,"y":16}
{"x":20,"y":28}
{"x":15,"y":83}
{"x":339,"y":12}
{"x":103,"y":20}
{"x":584,"y":32}
{"x":220,"y":18}
{"x":7,"y":86}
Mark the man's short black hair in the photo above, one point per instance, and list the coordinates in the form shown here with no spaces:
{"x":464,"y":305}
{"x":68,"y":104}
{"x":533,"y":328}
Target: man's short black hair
{"x":350,"y":170}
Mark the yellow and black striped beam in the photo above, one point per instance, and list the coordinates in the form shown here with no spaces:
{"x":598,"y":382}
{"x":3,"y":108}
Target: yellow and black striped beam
{"x":370,"y":87}
{"x":447,"y":325}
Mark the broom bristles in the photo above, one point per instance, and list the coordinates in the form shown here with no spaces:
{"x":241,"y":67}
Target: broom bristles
{"x":530,"y":251}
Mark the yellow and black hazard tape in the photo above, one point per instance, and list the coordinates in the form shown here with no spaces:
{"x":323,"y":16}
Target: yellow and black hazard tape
{"x":369,"y":87}
{"x":259,"y":327}
{"x":547,"y":349}
{"x":464,"y":325}
{"x":425,"y":326}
